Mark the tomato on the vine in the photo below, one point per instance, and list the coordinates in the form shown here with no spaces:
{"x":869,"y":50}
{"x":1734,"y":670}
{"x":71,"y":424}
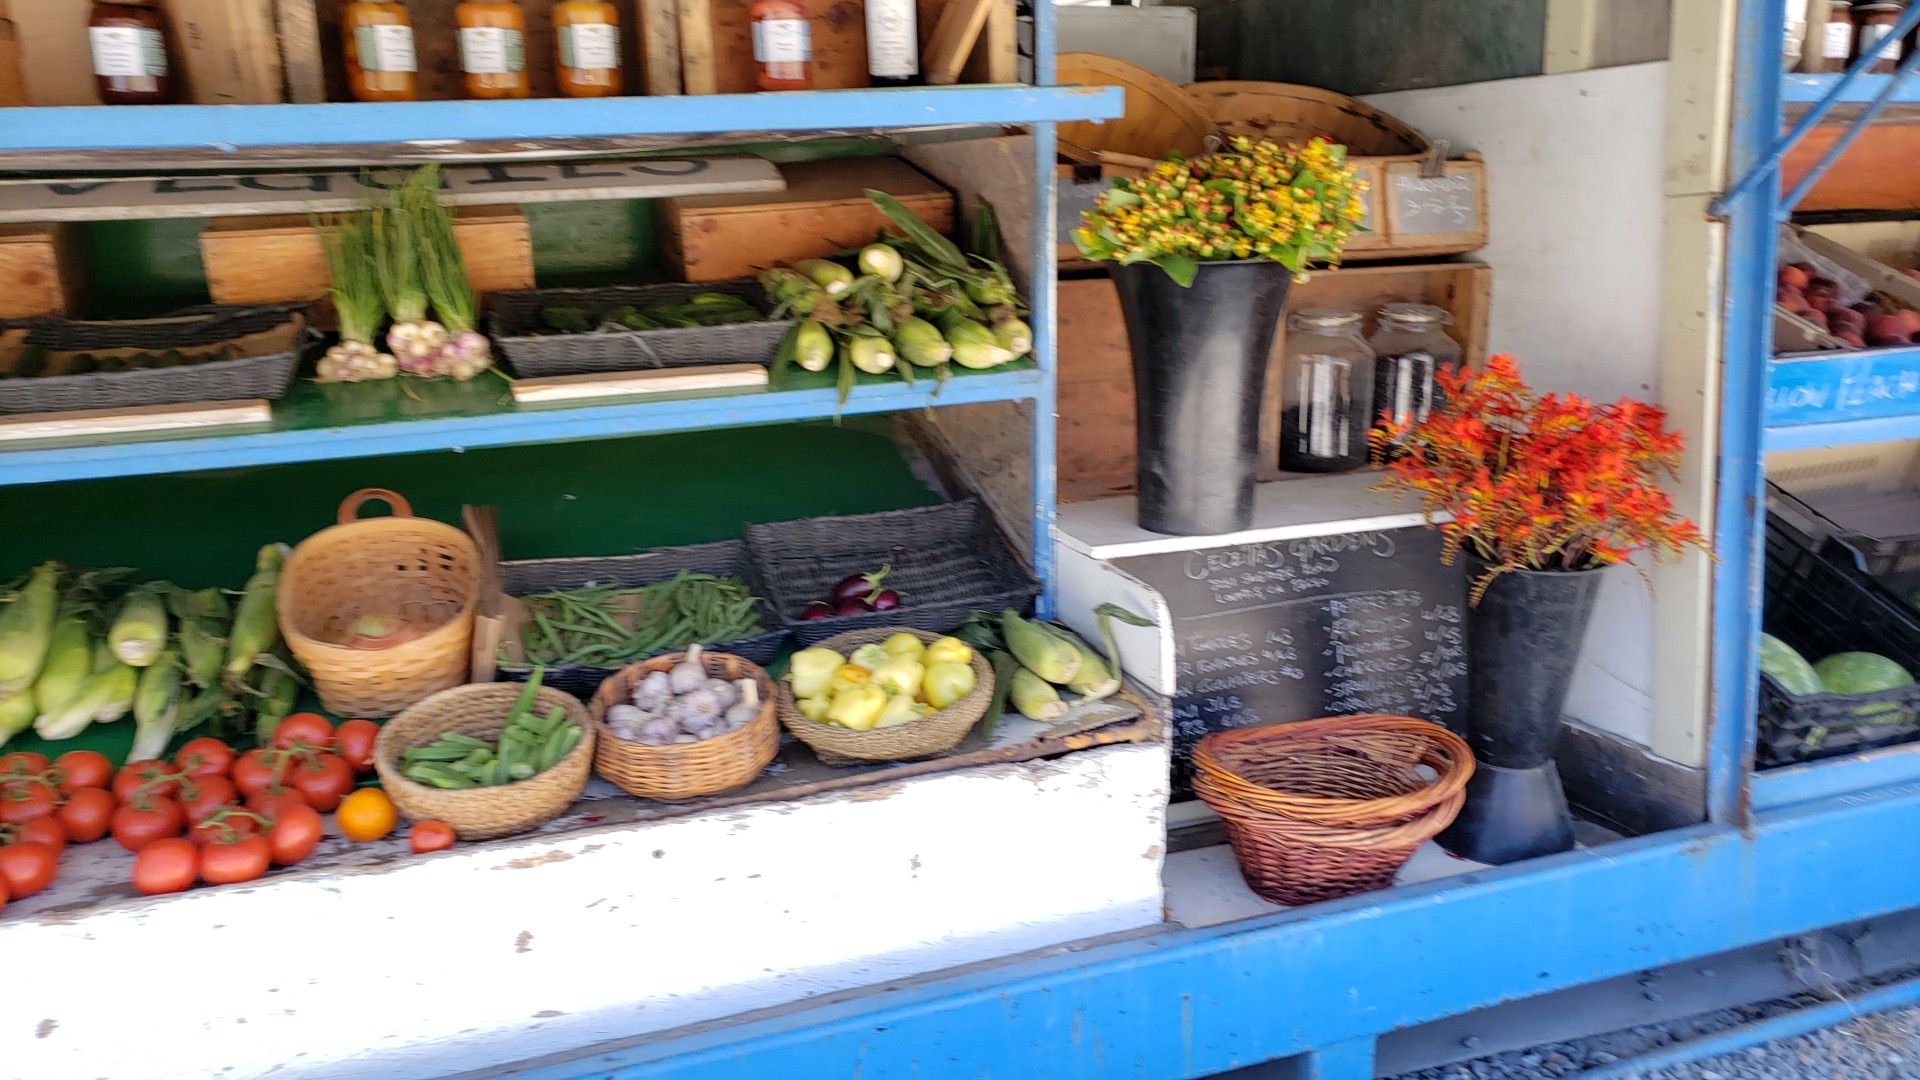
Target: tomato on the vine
{"x":223,"y":829}
{"x":356,"y":739}
{"x":303,"y":731}
{"x":22,"y":763}
{"x":257,"y":770}
{"x":205,"y":756}
{"x":428,"y":836}
{"x":323,"y":779}
{"x":46,"y":830}
{"x":27,"y":867}
{"x":25,"y":800}
{"x":242,"y":860}
{"x":153,"y":776}
{"x":294,"y":834}
{"x":83,"y":769}
{"x":268,"y":803}
{"x":87,"y":814}
{"x":199,"y":799}
{"x":139,"y":823}
{"x":165,"y":866}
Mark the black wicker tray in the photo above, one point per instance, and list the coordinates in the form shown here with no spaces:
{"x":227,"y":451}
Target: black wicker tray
{"x":728,"y":557}
{"x":265,"y":376}
{"x":1821,"y":608}
{"x":945,"y":561}
{"x":536,"y":351}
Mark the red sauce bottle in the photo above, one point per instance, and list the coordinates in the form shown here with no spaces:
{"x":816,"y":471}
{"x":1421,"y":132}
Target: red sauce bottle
{"x":128,"y":40}
{"x":782,"y":44}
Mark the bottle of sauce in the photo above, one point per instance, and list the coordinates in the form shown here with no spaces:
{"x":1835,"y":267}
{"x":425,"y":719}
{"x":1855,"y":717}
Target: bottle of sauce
{"x":586,"y":48}
{"x":893,"y":42}
{"x":128,"y":40}
{"x":379,"y":47}
{"x":782,"y":44}
{"x":1875,"y":23}
{"x":493,"y":48}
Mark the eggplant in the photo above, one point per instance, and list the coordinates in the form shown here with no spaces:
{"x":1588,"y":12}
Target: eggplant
{"x":859,"y":586}
{"x":854,"y":606}
{"x":819,"y":609}
{"x":884,"y":600}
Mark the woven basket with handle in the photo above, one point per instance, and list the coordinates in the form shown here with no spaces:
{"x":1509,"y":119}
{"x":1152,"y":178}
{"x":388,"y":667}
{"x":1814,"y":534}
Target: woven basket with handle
{"x":1328,"y":808}
{"x":686,"y":770}
{"x":927,"y":736}
{"x":423,"y":571}
{"x":480,"y":710}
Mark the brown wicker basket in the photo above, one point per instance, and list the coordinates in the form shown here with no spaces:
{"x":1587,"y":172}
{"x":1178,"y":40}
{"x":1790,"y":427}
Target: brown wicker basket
{"x":688,"y":770}
{"x":1328,"y":808}
{"x":480,"y":710}
{"x":925,"y":737}
{"x":421,"y":570}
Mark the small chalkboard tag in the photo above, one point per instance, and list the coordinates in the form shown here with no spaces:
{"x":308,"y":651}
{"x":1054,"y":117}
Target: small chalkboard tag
{"x":1436,"y":205}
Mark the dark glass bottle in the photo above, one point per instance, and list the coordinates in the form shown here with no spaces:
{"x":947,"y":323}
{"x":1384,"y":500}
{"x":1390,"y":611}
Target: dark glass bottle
{"x":128,"y":41}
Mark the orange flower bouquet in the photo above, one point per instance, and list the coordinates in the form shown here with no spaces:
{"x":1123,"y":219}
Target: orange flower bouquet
{"x":1553,"y":483}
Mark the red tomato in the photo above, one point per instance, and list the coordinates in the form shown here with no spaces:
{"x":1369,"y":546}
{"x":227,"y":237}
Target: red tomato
{"x":223,"y":830}
{"x":3,"y":896}
{"x":136,"y":775}
{"x":87,"y":814}
{"x":257,"y":770}
{"x":165,"y":866}
{"x":295,"y":833}
{"x":200,"y":798}
{"x":83,"y":769}
{"x":356,"y":738}
{"x":27,"y":867}
{"x":26,"y":800}
{"x":46,"y":830}
{"x":430,"y":836}
{"x":204,"y":756}
{"x":303,"y":731}
{"x":137,"y":824}
{"x":323,"y":779}
{"x":269,"y":803}
{"x":243,"y":860}
{"x":22,"y":763}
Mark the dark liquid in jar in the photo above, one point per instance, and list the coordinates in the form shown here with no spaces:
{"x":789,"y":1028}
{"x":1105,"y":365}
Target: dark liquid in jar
{"x":1322,"y":429}
{"x":1404,"y":387}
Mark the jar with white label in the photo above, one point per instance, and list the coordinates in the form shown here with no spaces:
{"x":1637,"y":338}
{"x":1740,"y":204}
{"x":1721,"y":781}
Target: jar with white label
{"x":379,"y":47}
{"x":1836,"y":38}
{"x":493,"y":48}
{"x":1326,"y":393}
{"x":586,"y":48}
{"x":1874,"y":23}
{"x":1411,"y":348}
{"x":128,"y":42}
{"x":782,"y":44}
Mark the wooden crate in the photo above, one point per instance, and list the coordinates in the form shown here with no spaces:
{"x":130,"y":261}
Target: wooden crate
{"x":13,"y":76}
{"x":230,"y":51}
{"x":1096,"y":404}
{"x":263,"y":260}
{"x":40,"y":270}
{"x":823,"y":210}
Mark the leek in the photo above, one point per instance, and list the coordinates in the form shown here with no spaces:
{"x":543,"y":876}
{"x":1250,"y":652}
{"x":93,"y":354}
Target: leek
{"x":26,"y":629}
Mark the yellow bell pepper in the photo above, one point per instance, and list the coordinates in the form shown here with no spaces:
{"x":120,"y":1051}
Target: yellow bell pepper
{"x":869,"y":657}
{"x":948,"y":650}
{"x":847,"y":676}
{"x":857,"y":708}
{"x":899,"y":676}
{"x":948,"y":683}
{"x":814,"y":709}
{"x":901,"y":709}
{"x":904,"y":645}
{"x":811,"y":670}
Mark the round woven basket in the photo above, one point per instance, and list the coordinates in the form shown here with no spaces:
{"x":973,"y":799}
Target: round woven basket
{"x":480,"y":710}
{"x":1328,"y":808}
{"x":1160,"y":116}
{"x":423,"y":571}
{"x":1284,"y":112}
{"x":686,"y":770}
{"x":930,"y":735}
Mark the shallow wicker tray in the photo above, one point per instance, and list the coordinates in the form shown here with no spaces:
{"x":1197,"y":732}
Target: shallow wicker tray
{"x":536,"y":351}
{"x":1344,"y":771}
{"x":686,"y":770}
{"x":925,"y":737}
{"x":266,"y":376}
{"x":480,"y":710}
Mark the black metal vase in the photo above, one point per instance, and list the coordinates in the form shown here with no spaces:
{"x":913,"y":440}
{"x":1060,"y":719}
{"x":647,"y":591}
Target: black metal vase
{"x":1200,"y":372}
{"x":1523,"y":640}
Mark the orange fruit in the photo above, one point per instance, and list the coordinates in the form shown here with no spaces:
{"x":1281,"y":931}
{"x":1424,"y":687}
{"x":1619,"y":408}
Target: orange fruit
{"x":366,"y":814}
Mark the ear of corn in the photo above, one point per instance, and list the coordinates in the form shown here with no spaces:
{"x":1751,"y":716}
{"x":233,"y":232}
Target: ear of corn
{"x":69,"y":662}
{"x":1093,"y":681}
{"x":1035,"y":697}
{"x":157,"y":702}
{"x":278,"y":691}
{"x":139,"y":632}
{"x":1041,"y":652}
{"x":26,"y":629}
{"x":105,"y":697}
{"x":16,"y":715}
{"x":254,"y":627}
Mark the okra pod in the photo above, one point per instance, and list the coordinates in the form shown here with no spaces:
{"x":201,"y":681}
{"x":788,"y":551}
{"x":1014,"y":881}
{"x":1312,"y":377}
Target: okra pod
{"x":455,"y":738}
{"x":439,"y":776}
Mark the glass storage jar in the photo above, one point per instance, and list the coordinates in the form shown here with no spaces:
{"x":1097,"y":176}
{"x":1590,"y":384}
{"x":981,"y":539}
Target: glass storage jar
{"x":1410,"y":348}
{"x":493,"y":48}
{"x":129,"y":47}
{"x":379,"y":47}
{"x":782,"y":44}
{"x":1326,"y":392}
{"x":1875,"y":23}
{"x":586,"y":48}
{"x":1836,"y":41}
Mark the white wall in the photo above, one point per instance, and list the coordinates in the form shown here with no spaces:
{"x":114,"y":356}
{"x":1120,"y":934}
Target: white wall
{"x":1575,"y":167}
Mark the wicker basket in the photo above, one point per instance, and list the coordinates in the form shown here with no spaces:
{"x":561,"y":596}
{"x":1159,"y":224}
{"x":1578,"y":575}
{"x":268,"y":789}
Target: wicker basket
{"x":1328,"y":808}
{"x":1285,"y":112}
{"x":263,"y":376}
{"x":1160,"y":117}
{"x":925,"y":737}
{"x":421,"y":570}
{"x":946,"y":561}
{"x":688,"y":770}
{"x":480,"y":710}
{"x":537,"y":352}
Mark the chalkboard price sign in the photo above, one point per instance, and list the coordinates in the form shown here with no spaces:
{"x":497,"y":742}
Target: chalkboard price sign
{"x":1288,"y":630}
{"x":1427,"y":206}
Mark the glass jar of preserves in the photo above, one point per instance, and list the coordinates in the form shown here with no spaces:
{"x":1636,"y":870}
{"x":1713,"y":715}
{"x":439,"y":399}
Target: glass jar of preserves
{"x":379,"y":47}
{"x":1410,"y":348}
{"x":1326,"y":393}
{"x":1836,"y":41}
{"x":586,"y":48}
{"x":1874,"y":23}
{"x":128,"y":42}
{"x":493,"y":48}
{"x":782,"y":44}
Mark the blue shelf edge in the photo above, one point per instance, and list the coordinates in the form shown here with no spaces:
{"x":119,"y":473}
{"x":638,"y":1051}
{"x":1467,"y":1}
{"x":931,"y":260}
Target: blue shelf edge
{"x":1896,"y":767}
{"x":228,"y":127}
{"x":1798,"y":89}
{"x":1834,"y":399}
{"x":238,"y":449}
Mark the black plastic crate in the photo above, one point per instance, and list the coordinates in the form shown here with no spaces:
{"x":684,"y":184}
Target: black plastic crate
{"x":724,"y":559}
{"x":536,"y":351}
{"x":1876,"y":533}
{"x":1821,"y":607}
{"x":945,"y":561}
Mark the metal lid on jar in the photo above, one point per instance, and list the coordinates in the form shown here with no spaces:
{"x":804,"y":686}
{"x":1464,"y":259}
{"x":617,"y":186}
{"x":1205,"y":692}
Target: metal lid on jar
{"x":1324,"y":319}
{"x":1416,"y":314}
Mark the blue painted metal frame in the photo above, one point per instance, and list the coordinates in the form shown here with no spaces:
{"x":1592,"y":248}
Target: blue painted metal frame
{"x":229,"y":126}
